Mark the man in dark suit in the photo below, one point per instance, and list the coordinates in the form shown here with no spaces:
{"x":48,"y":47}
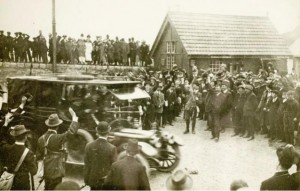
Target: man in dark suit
{"x":249,"y":111}
{"x":226,"y":114}
{"x":9,"y":44}
{"x":128,"y":173}
{"x":282,"y":180}
{"x":217,"y":102}
{"x":99,"y":156}
{"x":23,"y":177}
{"x":290,"y":114}
{"x":50,"y":150}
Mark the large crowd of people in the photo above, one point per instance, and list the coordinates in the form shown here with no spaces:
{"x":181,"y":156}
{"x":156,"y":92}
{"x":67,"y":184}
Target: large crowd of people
{"x":265,"y":103}
{"x":73,"y":51}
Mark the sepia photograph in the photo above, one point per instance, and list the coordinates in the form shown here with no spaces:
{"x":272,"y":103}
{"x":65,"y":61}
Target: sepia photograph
{"x":150,"y":95}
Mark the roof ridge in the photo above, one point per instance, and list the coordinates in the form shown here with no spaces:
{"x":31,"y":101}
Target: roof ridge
{"x":212,"y":14}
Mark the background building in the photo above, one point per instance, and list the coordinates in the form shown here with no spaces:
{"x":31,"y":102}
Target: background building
{"x":241,"y":42}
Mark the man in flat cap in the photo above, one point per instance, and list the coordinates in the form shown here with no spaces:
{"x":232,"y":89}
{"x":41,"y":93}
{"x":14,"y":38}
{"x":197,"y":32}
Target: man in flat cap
{"x":99,"y":156}
{"x":50,"y":154}
{"x":249,"y":111}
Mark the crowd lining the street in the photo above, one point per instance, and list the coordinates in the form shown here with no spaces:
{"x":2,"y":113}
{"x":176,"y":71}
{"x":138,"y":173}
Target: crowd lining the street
{"x":250,"y":103}
{"x":73,"y":51}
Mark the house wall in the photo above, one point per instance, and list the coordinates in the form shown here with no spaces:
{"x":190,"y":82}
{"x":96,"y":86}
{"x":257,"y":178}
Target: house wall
{"x":160,"y":55}
{"x":250,"y":64}
{"x":247,"y":64}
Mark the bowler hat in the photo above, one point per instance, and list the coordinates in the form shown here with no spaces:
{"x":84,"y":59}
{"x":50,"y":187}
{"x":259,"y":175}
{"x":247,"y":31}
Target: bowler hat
{"x":132,"y":146}
{"x":179,"y":180}
{"x":53,"y":120}
{"x":18,"y":130}
{"x":103,"y":127}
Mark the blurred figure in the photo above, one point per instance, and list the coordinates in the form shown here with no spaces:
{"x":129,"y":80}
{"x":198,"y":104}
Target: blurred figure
{"x":128,"y":173}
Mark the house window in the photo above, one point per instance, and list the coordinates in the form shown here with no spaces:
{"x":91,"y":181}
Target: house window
{"x":172,"y":61}
{"x":162,"y":62}
{"x":170,"y":54}
{"x":168,"y":47}
{"x":215,"y":65}
{"x":171,"y":47}
{"x":168,"y":61}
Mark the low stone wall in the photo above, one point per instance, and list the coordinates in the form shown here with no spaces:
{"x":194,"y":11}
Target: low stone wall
{"x":8,"y":69}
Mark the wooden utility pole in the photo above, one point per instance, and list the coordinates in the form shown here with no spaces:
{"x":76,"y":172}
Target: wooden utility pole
{"x":54,"y":37}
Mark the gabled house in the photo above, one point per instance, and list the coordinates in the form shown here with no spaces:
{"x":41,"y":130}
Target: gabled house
{"x":207,"y":40}
{"x":293,"y":42}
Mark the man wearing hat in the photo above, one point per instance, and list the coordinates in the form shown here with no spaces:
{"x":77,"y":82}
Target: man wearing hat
{"x":23,"y":177}
{"x":128,"y":173}
{"x":237,"y":117}
{"x":179,"y":180}
{"x":273,"y":117}
{"x":158,"y":102}
{"x":2,"y":45}
{"x":249,"y":111}
{"x":226,"y":115}
{"x":282,"y":180}
{"x":99,"y":156}
{"x":9,"y":48}
{"x":50,"y":150}
{"x":263,"y":114}
{"x":290,"y":114}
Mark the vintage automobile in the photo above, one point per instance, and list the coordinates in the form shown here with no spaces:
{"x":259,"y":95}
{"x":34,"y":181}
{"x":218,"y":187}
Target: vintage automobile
{"x":113,"y":99}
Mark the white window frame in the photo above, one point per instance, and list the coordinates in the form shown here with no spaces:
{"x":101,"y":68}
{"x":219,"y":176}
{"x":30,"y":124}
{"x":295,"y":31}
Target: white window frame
{"x":169,"y":47}
{"x":168,"y":61}
{"x":215,"y":65}
{"x":172,"y":61}
{"x":173,"y":47}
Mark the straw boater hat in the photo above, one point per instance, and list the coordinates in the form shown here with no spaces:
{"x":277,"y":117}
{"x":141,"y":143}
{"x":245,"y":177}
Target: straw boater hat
{"x":179,"y":180}
{"x":53,"y":120}
{"x":18,"y":130}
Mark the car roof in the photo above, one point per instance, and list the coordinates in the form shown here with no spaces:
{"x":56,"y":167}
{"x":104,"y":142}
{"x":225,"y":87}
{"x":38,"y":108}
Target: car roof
{"x":76,"y":79}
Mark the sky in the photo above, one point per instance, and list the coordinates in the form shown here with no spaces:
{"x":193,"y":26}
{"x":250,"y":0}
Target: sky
{"x":140,"y":19}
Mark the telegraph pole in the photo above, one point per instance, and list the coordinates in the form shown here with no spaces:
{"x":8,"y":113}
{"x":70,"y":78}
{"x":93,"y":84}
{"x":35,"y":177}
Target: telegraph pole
{"x":54,"y":37}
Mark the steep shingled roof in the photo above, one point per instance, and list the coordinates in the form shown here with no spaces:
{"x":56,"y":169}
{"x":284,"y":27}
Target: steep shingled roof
{"x":208,"y":34}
